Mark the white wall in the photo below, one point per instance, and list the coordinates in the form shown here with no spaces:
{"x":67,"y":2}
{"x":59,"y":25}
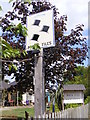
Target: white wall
{"x":26,"y":96}
{"x":32,"y":98}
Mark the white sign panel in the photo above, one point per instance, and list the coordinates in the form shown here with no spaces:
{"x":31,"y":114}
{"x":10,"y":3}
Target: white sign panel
{"x":73,"y":97}
{"x":73,"y":101}
{"x":40,"y":29}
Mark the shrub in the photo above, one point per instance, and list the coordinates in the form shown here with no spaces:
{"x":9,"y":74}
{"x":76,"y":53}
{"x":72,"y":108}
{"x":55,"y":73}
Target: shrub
{"x":71,"y":105}
{"x":87,"y":100}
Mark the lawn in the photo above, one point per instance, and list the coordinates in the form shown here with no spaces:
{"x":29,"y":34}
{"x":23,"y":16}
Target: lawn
{"x":18,"y":112}
{"x":56,"y":108}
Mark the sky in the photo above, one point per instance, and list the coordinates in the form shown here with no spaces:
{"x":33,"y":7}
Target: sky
{"x":76,"y":11}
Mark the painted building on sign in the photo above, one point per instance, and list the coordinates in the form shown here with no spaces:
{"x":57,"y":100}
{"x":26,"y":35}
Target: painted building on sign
{"x":73,"y":93}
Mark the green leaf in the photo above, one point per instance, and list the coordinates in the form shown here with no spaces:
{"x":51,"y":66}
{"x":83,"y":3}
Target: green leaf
{"x":26,"y":52}
{"x":10,"y":1}
{"x":18,"y":29}
{"x":10,"y":66}
{"x":19,"y":26}
{"x":29,"y":1}
{"x":8,"y":51}
{"x":35,"y":46}
{"x":16,"y":51}
{"x":5,"y":44}
{"x":15,"y":67}
{"x":10,"y":27}
{"x":13,"y":55}
{"x":0,"y":8}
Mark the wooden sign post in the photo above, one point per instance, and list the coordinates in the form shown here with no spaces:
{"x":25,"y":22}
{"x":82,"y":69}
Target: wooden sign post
{"x":39,"y":85}
{"x":40,"y":30}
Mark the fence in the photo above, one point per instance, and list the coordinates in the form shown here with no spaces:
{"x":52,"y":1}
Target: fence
{"x":79,"y":112}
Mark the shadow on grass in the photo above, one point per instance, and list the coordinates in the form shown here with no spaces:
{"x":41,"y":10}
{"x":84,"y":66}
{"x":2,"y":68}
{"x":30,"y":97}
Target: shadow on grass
{"x":13,"y":118}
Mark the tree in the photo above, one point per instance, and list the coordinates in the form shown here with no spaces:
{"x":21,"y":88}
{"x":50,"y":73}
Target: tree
{"x":59,"y":97}
{"x":80,"y":77}
{"x":59,"y":61}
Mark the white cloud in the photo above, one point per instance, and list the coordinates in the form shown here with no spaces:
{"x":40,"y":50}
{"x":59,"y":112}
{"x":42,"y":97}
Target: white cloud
{"x":76,"y":11}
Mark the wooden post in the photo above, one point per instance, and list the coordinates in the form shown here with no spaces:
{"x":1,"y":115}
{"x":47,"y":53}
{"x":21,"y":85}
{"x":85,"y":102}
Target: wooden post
{"x":17,"y":97}
{"x":62,"y":104}
{"x":1,"y":94}
{"x":39,"y":85}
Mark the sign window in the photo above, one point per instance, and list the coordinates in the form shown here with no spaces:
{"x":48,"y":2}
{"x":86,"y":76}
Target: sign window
{"x":35,"y":37}
{"x":45,"y":28}
{"x":36,"y":22}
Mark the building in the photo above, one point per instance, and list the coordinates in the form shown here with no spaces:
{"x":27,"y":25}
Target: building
{"x":8,"y":95}
{"x":27,"y":98}
{"x":73,"y":93}
{"x":3,"y":88}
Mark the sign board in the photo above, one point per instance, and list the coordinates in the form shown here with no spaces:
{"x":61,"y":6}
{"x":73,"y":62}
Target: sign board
{"x":40,"y":29}
{"x":73,"y":96}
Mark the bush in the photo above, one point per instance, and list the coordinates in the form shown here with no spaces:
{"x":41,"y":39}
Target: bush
{"x":87,"y":100}
{"x":72,"y":105}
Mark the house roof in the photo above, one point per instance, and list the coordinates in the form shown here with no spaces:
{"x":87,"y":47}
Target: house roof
{"x":13,"y":83}
{"x":74,"y":87}
{"x":4,"y":85}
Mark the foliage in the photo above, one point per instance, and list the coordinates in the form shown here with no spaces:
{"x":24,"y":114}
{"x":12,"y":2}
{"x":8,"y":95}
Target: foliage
{"x":18,"y":29}
{"x":88,"y":80}
{"x":87,"y":100}
{"x":0,"y":8}
{"x":35,"y":47}
{"x":19,"y":99}
{"x":59,"y":97}
{"x":71,"y":105}
{"x":56,"y":107}
{"x":59,"y":61}
{"x":29,"y":1}
{"x":80,"y":77}
{"x":8,"y":51}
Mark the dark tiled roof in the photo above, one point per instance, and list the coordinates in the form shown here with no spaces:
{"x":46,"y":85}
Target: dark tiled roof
{"x":13,"y":83}
{"x":4,"y":85}
{"x":74,"y":87}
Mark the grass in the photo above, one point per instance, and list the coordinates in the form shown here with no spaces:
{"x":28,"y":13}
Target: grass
{"x":56,"y":108}
{"x":19,"y":112}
